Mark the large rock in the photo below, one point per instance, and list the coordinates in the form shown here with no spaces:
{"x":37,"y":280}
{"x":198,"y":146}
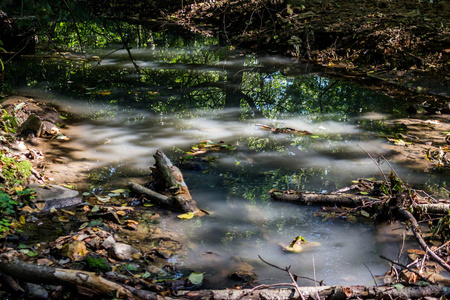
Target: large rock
{"x":55,"y":196}
{"x":124,"y":252}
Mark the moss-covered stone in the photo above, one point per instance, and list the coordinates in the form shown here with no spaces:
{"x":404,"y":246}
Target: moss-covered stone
{"x":97,"y":264}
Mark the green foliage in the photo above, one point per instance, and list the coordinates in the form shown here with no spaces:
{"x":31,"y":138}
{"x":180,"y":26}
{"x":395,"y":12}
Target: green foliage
{"x":14,"y":171}
{"x":10,"y":122}
{"x":4,"y":226}
{"x":7,"y":204}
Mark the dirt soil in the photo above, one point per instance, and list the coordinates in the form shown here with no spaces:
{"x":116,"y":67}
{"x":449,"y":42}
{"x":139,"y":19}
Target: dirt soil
{"x":406,"y":43}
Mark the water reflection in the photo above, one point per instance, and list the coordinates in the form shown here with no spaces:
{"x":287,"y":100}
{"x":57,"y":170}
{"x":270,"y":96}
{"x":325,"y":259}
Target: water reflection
{"x":183,"y":97}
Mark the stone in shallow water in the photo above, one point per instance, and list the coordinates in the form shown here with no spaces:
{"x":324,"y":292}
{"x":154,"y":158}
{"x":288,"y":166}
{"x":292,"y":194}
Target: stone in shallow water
{"x":124,"y":252}
{"x":55,"y":196}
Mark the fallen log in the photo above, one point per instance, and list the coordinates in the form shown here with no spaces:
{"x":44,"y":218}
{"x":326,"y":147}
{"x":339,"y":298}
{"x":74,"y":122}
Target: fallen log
{"x":322,"y":199}
{"x":14,"y":267}
{"x":322,"y":292}
{"x":434,"y":208}
{"x":177,"y":202}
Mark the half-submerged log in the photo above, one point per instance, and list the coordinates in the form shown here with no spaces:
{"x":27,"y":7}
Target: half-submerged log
{"x":180,"y":199}
{"x":322,"y":199}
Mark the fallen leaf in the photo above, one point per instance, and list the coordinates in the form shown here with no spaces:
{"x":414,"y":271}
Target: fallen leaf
{"x":186,"y":216}
{"x":103,"y":199}
{"x":196,"y":278}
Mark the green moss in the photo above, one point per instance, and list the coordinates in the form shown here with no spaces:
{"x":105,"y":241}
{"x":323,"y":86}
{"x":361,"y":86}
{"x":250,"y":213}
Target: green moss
{"x":97,"y":264}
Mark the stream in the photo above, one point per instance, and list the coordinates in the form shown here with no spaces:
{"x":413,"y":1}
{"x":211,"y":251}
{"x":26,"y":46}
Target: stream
{"x":191,"y":91}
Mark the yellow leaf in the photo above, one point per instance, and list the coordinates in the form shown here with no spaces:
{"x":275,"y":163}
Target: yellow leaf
{"x":63,"y":219}
{"x":186,"y":216}
{"x":22,"y":220}
{"x":68,"y":212}
{"x":53,"y":210}
{"x":40,"y":205}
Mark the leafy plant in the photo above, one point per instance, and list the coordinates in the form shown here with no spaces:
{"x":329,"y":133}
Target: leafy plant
{"x":7,"y":204}
{"x":10,"y":122}
{"x":14,"y":171}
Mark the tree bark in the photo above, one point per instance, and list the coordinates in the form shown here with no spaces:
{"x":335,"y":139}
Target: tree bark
{"x":27,"y":272}
{"x":322,"y":199}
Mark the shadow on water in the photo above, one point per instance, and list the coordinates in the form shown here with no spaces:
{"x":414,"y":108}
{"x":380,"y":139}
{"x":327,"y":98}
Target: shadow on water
{"x":189,"y":93}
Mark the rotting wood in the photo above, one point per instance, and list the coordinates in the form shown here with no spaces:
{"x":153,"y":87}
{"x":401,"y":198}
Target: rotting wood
{"x":14,"y":267}
{"x":322,"y":199}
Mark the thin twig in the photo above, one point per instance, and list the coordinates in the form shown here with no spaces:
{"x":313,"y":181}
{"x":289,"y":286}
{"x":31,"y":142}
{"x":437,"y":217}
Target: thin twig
{"x":378,"y":166}
{"x":371,"y":274}
{"x":301,"y":277}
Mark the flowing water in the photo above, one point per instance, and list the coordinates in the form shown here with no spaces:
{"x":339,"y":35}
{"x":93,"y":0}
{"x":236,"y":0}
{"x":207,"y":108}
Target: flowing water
{"x":198,"y":91}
